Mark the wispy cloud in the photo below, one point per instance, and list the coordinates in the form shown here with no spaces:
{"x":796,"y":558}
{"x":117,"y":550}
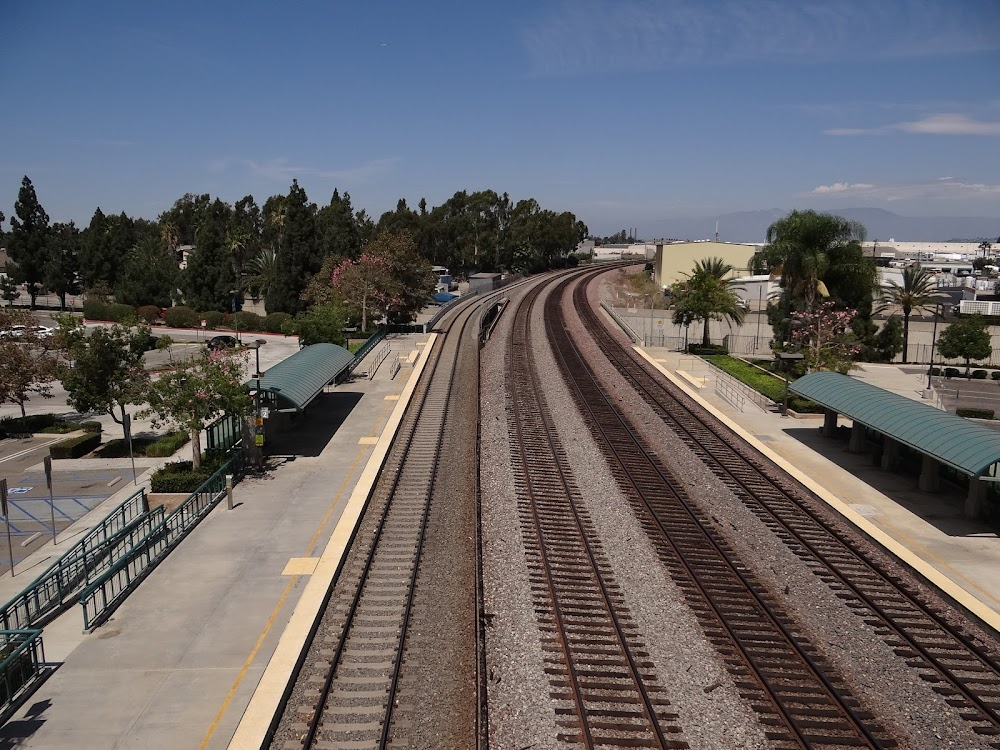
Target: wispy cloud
{"x":280,"y":170}
{"x":943,"y":188}
{"x":940,"y":124}
{"x":596,"y":36}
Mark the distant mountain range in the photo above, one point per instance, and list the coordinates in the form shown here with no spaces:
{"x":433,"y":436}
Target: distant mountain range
{"x":751,"y":226}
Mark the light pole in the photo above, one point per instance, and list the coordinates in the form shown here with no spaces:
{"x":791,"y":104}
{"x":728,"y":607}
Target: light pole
{"x":258,"y":421}
{"x":786,"y":359}
{"x":930,"y":368}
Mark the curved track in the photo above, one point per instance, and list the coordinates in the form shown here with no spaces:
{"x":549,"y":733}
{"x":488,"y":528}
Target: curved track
{"x":958,"y":668}
{"x":606,"y":692}
{"x":353,"y":668}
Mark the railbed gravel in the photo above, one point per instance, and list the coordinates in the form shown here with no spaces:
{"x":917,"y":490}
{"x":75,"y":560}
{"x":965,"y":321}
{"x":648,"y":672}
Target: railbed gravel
{"x":521,"y":713}
{"x":901,"y":700}
{"x":700,"y":690}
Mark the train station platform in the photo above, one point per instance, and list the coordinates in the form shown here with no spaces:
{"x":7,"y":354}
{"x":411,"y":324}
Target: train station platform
{"x":177,"y":664}
{"x":927,"y":529}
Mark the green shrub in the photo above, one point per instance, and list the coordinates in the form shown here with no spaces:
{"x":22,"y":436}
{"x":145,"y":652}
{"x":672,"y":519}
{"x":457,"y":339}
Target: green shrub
{"x":710,"y":349}
{"x":148,"y":313}
{"x":61,"y":428}
{"x":181,"y":316}
{"x":91,"y":426}
{"x":951,"y":372}
{"x":76,"y":447}
{"x":979,"y":374}
{"x":28,"y":425}
{"x":995,"y":375}
{"x":95,"y":309}
{"x":121,"y":313}
{"x":935,"y":371}
{"x":246,"y":321}
{"x":274,"y":322}
{"x":213,"y":319}
{"x":975,"y":413}
{"x":178,"y":476}
{"x":167,"y":445}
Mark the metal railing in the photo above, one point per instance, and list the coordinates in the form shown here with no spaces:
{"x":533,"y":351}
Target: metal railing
{"x":59,"y":583}
{"x":629,"y":331}
{"x":223,"y":433}
{"x":394,"y":367}
{"x":100,"y":598}
{"x":379,"y":358}
{"x":22,"y":667}
{"x":366,"y":347}
{"x":736,"y":391}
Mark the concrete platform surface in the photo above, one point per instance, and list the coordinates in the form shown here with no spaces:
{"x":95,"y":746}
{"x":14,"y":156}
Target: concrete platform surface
{"x":964,"y":554}
{"x":178,"y":662}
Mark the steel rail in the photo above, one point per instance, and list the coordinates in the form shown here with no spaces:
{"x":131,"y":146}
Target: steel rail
{"x":309,"y":738}
{"x":605,"y":418}
{"x":654,"y":391}
{"x":527,"y":397}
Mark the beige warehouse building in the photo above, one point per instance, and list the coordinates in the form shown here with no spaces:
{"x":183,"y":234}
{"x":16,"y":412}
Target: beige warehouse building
{"x":674,"y":261}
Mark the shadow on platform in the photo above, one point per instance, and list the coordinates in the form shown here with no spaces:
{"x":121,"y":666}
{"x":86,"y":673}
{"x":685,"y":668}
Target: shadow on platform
{"x":308,"y":433}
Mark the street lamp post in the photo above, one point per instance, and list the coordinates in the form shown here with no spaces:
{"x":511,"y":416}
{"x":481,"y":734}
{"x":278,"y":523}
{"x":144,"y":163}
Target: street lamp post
{"x":930,"y":368}
{"x":786,"y":359}
{"x":258,"y":421}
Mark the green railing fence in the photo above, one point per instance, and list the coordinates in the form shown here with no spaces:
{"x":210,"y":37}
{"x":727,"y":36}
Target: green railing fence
{"x":22,"y":667}
{"x":57,"y":585}
{"x":365,"y":348}
{"x":100,"y":598}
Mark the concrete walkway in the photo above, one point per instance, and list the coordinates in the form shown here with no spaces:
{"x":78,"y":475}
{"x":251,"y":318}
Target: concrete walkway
{"x":178,"y":662}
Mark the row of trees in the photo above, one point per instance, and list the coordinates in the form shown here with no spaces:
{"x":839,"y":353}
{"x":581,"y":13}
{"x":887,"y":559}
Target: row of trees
{"x":271,"y":251}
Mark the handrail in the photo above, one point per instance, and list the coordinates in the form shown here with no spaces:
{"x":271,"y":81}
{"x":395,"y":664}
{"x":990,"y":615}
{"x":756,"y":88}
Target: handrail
{"x":621,"y":322}
{"x":21,"y":668}
{"x":56,"y":585}
{"x":365,"y":348}
{"x":100,"y":598}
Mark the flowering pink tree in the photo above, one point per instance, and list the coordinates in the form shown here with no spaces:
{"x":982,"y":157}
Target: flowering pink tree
{"x":825,"y":337}
{"x":364,"y":284}
{"x":197,"y":392}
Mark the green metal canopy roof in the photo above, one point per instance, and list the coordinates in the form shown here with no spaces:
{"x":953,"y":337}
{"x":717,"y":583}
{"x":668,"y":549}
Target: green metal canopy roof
{"x":301,"y":377}
{"x":953,"y":440}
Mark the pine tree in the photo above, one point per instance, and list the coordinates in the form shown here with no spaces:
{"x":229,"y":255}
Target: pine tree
{"x":63,"y":266}
{"x":209,"y":276}
{"x":298,"y":258}
{"x":149,"y":276}
{"x":27,"y":244}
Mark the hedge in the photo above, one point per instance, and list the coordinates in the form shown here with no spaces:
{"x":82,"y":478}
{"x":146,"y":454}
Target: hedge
{"x":246,"y":321}
{"x":995,"y":375}
{"x":975,"y":413}
{"x":148,"y":313}
{"x":178,"y":476}
{"x":771,"y":386}
{"x":213,"y":319}
{"x":274,"y":323}
{"x":167,"y":445}
{"x":181,"y":317}
{"x":76,"y":447}
{"x":49,"y":424}
{"x":979,"y":374}
{"x":716,"y":349}
{"x":951,"y":372}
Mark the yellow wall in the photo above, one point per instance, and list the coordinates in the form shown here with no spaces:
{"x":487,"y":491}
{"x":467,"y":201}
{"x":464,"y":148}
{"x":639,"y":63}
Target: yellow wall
{"x":675,"y":261}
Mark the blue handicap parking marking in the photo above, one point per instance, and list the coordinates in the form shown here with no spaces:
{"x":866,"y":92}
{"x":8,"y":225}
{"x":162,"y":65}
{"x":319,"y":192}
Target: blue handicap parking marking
{"x":19,"y":490}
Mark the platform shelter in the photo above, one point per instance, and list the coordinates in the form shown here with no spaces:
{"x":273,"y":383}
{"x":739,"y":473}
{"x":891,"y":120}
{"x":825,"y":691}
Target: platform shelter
{"x":899,"y":431}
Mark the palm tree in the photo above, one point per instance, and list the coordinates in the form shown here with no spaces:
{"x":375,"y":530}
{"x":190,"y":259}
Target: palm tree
{"x":805,"y":247}
{"x":262,"y":272}
{"x":917,"y":293}
{"x":706,"y":295}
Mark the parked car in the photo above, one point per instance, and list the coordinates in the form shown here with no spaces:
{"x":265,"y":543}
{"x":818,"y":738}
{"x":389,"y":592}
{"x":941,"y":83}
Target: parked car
{"x":218,"y":343}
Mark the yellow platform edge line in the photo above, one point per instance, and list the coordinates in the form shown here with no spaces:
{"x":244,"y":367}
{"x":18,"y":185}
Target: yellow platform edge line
{"x":932,"y":574}
{"x":256,"y":720}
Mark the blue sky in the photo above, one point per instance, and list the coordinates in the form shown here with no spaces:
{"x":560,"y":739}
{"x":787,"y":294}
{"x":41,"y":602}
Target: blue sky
{"x":625,"y":112}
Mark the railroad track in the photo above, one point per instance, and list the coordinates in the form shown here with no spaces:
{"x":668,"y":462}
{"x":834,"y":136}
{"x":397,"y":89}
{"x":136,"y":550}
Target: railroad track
{"x":967,"y":675}
{"x":605,"y":687}
{"x":801,"y":702}
{"x":353,"y":667}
